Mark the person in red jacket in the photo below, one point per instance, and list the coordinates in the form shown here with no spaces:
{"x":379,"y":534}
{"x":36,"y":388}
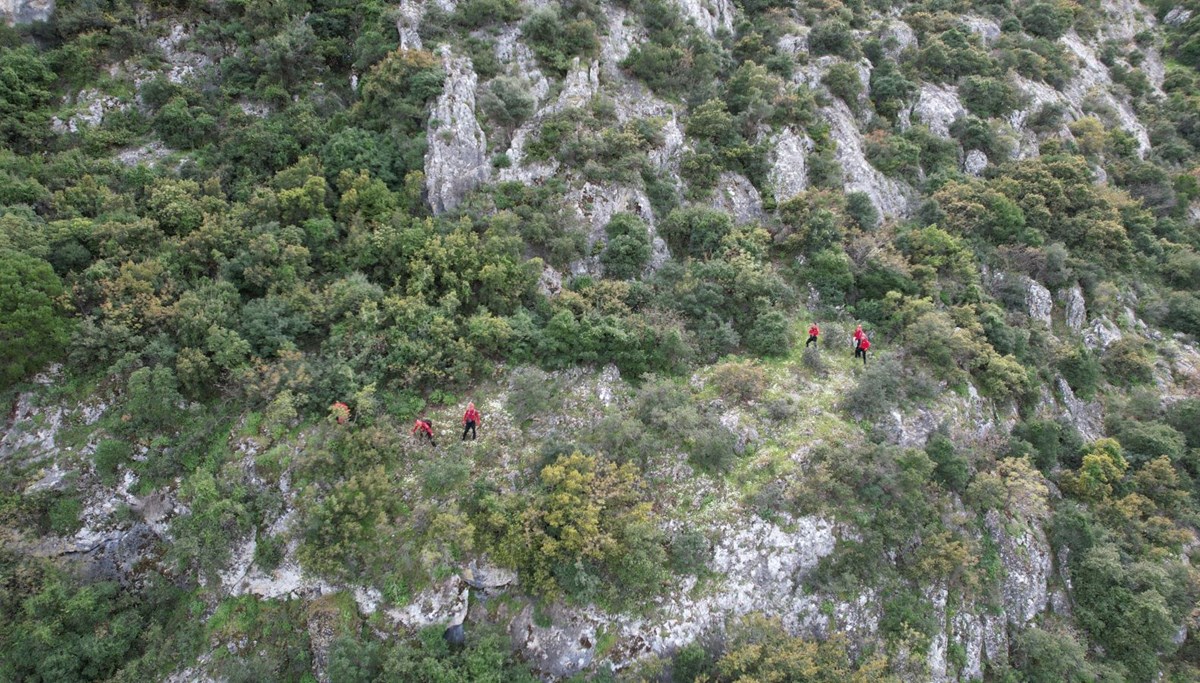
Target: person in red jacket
{"x":859,"y":335}
{"x":813,"y":333}
{"x":471,"y":418}
{"x":863,"y":345}
{"x":424,"y":426}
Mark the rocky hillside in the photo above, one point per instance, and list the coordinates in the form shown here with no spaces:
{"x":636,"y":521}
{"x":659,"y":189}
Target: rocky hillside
{"x":609,"y":224}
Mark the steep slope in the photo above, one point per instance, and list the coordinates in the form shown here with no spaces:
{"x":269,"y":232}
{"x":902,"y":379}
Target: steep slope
{"x":609,"y":225}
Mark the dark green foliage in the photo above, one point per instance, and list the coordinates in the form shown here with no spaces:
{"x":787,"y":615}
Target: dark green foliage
{"x":183,"y":126}
{"x":1132,"y":620}
{"x":1045,"y":19}
{"x":1053,"y":443}
{"x":53,"y":628}
{"x":1128,"y":362}
{"x":953,"y":469}
{"x":678,"y":60}
{"x":25,"y":90}
{"x":890,"y":89}
{"x":109,"y":455}
{"x":989,"y":97}
{"x":861,"y":210}
{"x":842,"y":80}
{"x":33,"y":315}
{"x":770,"y":334}
{"x":832,"y":37}
{"x":1185,"y":416}
{"x":506,"y":102}
{"x":689,"y":551}
{"x":557,"y":40}
{"x":1052,"y":657}
{"x":696,"y":230}
{"x":628,"y":247}
{"x":1145,"y":441}
{"x":1081,"y":370}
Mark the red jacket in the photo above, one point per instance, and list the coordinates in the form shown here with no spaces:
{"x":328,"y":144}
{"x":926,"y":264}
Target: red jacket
{"x":814,"y":331}
{"x":864,"y":343}
{"x":859,"y":335}
{"x":472,"y":415}
{"x":422,"y":426}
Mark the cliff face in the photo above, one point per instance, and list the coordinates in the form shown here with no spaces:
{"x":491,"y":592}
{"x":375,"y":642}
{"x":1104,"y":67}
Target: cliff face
{"x":26,"y":11}
{"x":761,"y":540}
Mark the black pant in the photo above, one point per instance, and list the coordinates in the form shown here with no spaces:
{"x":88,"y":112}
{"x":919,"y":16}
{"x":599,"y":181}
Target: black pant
{"x":859,"y":351}
{"x":469,"y":426}
{"x":428,"y":436}
{"x":812,"y":339}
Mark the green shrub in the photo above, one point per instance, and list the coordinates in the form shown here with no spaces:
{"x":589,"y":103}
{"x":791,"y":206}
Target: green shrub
{"x":1051,"y":657}
{"x":628,"y":248}
{"x":1145,"y":441}
{"x":689,"y":551}
{"x":557,"y":40}
{"x":1053,"y":443}
{"x":740,"y":380}
{"x":109,"y":456}
{"x":506,"y":102}
{"x":1127,"y":362}
{"x":770,"y":334}
{"x":1183,"y":313}
{"x":1046,"y":20}
{"x":33,"y":315}
{"x":832,"y":37}
{"x":712,"y":450}
{"x":1081,"y":370}
{"x":1185,"y":416}
{"x":843,"y":81}
{"x":697,"y":231}
{"x":953,"y":469}
{"x":828,"y":271}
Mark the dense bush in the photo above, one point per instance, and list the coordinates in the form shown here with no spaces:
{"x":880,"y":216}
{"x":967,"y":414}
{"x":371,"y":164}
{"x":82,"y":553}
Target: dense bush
{"x":33,"y":315}
{"x":587,"y":532}
{"x":628,"y":247}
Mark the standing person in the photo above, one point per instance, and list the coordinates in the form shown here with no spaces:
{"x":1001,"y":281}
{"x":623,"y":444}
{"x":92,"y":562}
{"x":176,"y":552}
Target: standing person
{"x":863,"y":345}
{"x":424,"y":426}
{"x":813,"y":333}
{"x":471,"y":418}
{"x":859,"y":335}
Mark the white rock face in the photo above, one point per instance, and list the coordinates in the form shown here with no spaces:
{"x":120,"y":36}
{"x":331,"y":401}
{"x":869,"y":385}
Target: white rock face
{"x":184,"y":63}
{"x":1092,"y":79}
{"x":969,"y":418}
{"x":456,"y":162}
{"x":92,"y":106}
{"x":408,"y":20}
{"x":26,"y":11}
{"x":1076,"y":308}
{"x":1101,"y":334}
{"x":579,"y":87}
{"x":512,"y":51}
{"x":1038,"y":301}
{"x":709,"y":15}
{"x":1087,"y":418}
{"x":736,"y":196}
{"x":858,"y":175}
{"x":763,"y":566}
{"x":595,"y":205}
{"x":975,"y":162}
{"x":987,"y":29}
{"x":1178,"y":16}
{"x":897,"y":37}
{"x":1026,"y":558}
{"x":937,"y":106}
{"x":789,"y":169}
